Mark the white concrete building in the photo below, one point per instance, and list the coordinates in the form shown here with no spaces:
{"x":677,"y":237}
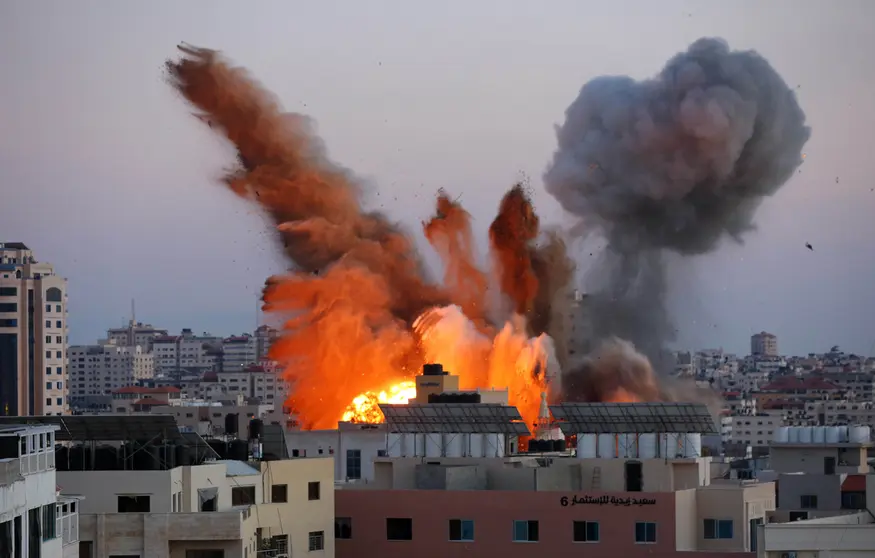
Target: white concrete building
{"x":97,"y":370}
{"x":33,"y":335}
{"x":756,"y":431}
{"x":354,"y":447}
{"x":135,"y":334}
{"x":238,"y":352}
{"x":764,"y":343}
{"x":187,"y":351}
{"x":35,"y":520}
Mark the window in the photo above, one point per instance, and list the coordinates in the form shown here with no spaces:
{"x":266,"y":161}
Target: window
{"x":342,"y":527}
{"x":57,"y":354}
{"x":525,"y":531}
{"x":718,"y":528}
{"x":313,"y":490}
{"x":8,"y":307}
{"x":399,"y":529}
{"x":208,"y":499}
{"x":6,"y":322}
{"x":59,"y":339}
{"x":279,"y":493}
{"x":48,"y":370}
{"x":242,"y":495}
{"x":53,"y":294}
{"x":49,"y":526}
{"x":58,"y":324}
{"x":645,"y":532}
{"x":133,"y":504}
{"x":462,"y":530}
{"x":316,"y":540}
{"x":853,"y":500}
{"x":48,"y":385}
{"x":8,"y":291}
{"x":48,"y":323}
{"x":48,"y":307}
{"x":809,"y":502}
{"x":59,"y":401}
{"x":586,"y":531}
{"x":49,"y":401}
{"x":353,"y":464}
{"x":57,"y":307}
{"x":48,"y":354}
{"x":48,"y":339}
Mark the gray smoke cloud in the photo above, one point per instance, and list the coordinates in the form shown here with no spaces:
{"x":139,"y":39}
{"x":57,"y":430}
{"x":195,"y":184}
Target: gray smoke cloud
{"x":673,"y":163}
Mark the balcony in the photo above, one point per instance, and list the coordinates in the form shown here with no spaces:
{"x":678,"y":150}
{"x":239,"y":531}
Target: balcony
{"x":67,"y":520}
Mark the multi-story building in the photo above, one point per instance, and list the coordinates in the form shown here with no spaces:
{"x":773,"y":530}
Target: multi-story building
{"x":175,"y":355}
{"x":97,"y":370}
{"x":136,"y":334}
{"x":264,"y":338}
{"x":755,"y":431}
{"x":151,"y":490}
{"x":35,"y":520}
{"x":238,"y":352}
{"x":764,"y":344}
{"x":33,"y":334}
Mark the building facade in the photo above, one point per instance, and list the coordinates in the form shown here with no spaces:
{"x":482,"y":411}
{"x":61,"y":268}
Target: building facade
{"x":33,"y":335}
{"x":764,"y":344}
{"x":35,"y":520}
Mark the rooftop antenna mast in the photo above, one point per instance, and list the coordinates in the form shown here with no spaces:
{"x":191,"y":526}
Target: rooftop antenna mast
{"x":133,"y":312}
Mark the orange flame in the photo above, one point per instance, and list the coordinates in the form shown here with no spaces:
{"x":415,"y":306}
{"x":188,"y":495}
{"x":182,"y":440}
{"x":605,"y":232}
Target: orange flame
{"x":362,"y":317}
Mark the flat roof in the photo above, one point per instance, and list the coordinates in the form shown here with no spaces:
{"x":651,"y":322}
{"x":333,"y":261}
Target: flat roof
{"x":105,"y":427}
{"x":454,"y":418}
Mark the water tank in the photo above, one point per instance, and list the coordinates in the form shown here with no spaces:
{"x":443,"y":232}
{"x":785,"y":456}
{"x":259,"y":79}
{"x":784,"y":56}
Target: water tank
{"x":670,"y":446}
{"x":692,"y":445}
{"x":805,"y":435}
{"x":647,"y":446}
{"x":782,"y":435}
{"x":794,"y":435}
{"x":419,"y":445}
{"x":219,"y":447}
{"x":843,"y":434}
{"x":627,"y":445}
{"x":586,"y":446}
{"x":476,"y":446}
{"x":255,"y":428}
{"x":607,"y":446}
{"x":231,"y":424}
{"x":183,"y":456}
{"x":238,"y":450}
{"x":858,"y":434}
{"x":432,"y":369}
{"x":832,"y":435}
{"x":453,"y":445}
{"x":494,"y":445}
{"x":818,"y":435}
{"x":558,"y":445}
{"x":395,"y":445}
{"x":433,"y":443}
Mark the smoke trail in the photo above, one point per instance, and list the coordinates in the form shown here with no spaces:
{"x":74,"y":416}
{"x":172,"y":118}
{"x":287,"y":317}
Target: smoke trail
{"x":674,"y":163}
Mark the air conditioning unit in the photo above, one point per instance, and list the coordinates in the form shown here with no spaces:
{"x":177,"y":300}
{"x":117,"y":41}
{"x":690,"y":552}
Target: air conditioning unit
{"x":788,"y":555}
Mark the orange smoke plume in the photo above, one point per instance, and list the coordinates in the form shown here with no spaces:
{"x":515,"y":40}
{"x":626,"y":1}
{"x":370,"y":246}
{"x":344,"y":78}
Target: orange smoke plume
{"x":362,"y":316}
{"x":511,"y":234}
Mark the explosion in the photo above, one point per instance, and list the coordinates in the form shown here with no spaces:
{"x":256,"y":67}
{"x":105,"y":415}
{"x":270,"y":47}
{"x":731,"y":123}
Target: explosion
{"x":670,"y":164}
{"x":362,"y":314}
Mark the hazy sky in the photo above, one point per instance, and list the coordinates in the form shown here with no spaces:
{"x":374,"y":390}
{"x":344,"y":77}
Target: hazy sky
{"x":105,"y":174}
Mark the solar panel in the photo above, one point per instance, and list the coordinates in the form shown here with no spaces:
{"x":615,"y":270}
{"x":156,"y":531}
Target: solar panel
{"x":633,"y":418}
{"x":454,"y":418}
{"x":107,"y":427}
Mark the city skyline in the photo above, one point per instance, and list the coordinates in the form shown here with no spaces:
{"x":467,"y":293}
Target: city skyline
{"x":193,"y":256}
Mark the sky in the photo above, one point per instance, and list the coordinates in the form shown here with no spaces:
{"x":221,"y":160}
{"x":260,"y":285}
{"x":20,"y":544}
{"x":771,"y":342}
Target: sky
{"x":105,"y":173}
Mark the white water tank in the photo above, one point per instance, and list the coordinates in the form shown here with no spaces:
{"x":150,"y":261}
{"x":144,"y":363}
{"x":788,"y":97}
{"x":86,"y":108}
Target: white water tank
{"x":832,"y":434}
{"x":453,"y":445}
{"x":627,"y":445}
{"x":607,"y":446}
{"x":586,"y":446}
{"x":419,"y":445}
{"x":647,"y":446}
{"x":692,"y":445}
{"x":843,"y":434}
{"x":433,"y":445}
{"x":858,"y":434}
{"x":794,"y":434}
{"x":476,"y":447}
{"x":782,"y":435}
{"x":669,"y":446}
{"x":494,"y":445}
{"x":805,"y":435}
{"x":819,"y":435}
{"x":396,"y":445}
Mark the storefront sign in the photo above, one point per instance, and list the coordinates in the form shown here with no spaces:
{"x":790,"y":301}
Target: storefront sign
{"x":605,"y":501}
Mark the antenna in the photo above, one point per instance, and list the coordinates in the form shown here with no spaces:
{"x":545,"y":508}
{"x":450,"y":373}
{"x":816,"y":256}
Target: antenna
{"x":133,"y":312}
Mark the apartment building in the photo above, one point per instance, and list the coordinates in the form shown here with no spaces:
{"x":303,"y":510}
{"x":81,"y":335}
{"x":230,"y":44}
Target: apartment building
{"x":35,"y":519}
{"x":754,"y":430}
{"x":186,"y":353}
{"x":764,"y":344}
{"x":149,"y":490}
{"x":33,"y":334}
{"x":97,"y":370}
{"x":238,"y":352}
{"x":135,"y":334}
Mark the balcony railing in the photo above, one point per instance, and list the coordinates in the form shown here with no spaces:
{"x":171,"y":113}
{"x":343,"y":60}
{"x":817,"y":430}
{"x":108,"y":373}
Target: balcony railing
{"x":38,"y":462}
{"x":68,"y":527}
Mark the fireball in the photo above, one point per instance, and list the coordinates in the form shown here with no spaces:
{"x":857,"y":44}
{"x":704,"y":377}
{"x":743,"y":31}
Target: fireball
{"x":364,"y":408}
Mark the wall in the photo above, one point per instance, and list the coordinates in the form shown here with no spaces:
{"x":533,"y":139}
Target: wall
{"x":686,"y":520}
{"x":832,"y":537}
{"x":809,"y":458}
{"x":493,"y":513}
{"x":827,"y":488}
{"x":102,"y":488}
{"x":300,"y":515}
{"x":334,"y":443}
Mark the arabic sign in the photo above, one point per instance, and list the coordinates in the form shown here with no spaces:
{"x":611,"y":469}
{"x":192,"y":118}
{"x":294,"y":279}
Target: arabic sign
{"x":605,"y":501}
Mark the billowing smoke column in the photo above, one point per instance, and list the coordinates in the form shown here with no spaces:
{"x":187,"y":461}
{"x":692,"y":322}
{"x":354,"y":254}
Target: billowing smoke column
{"x":674,"y":163}
{"x":362,"y":314}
